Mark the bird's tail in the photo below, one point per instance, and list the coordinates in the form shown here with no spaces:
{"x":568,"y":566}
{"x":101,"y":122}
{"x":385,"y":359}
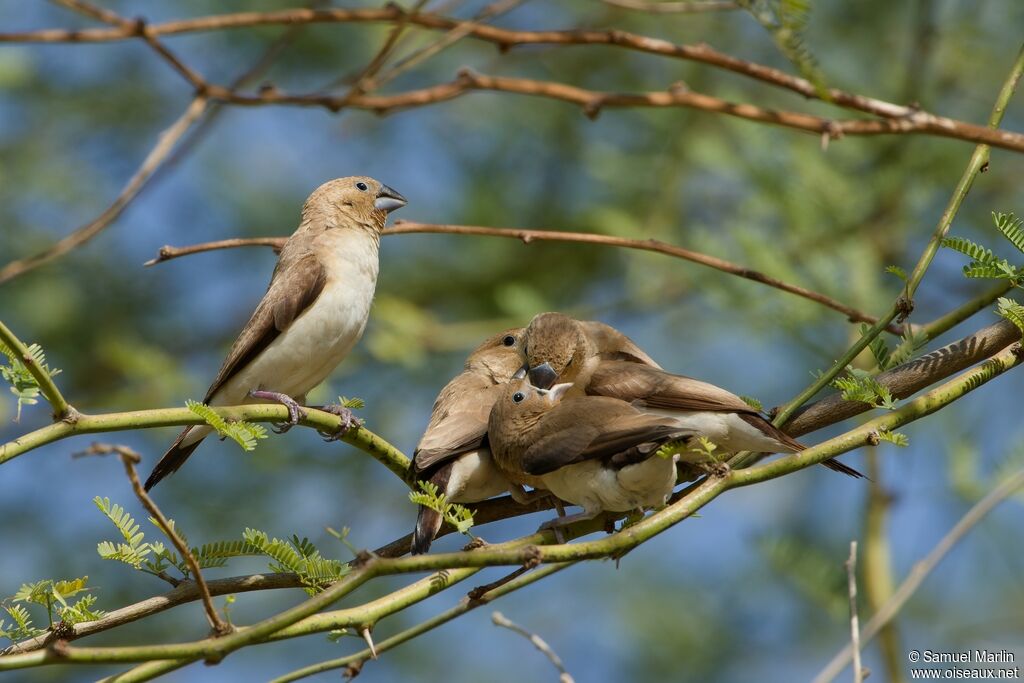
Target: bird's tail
{"x":428,"y":521}
{"x":174,"y":458}
{"x":785,"y":439}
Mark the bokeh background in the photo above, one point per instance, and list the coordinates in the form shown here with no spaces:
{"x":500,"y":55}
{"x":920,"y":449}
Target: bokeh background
{"x":755,"y":585}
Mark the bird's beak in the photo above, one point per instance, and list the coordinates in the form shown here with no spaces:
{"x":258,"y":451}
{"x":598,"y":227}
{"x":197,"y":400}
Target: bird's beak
{"x":388,"y":200}
{"x":542,"y":376}
{"x":555,"y":393}
{"x":521,"y":372}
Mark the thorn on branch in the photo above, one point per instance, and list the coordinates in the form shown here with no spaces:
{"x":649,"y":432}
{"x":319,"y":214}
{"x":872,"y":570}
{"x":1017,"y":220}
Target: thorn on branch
{"x":368,"y":637}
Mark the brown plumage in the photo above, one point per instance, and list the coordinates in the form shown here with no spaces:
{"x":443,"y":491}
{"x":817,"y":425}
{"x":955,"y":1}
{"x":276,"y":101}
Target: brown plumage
{"x":559,"y":349}
{"x":315,"y":307}
{"x":592,"y":451}
{"x":453,"y":452}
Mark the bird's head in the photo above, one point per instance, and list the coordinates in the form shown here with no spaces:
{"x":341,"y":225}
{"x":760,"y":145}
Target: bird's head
{"x":518,"y":410}
{"x":356,"y":201}
{"x":498,"y":356}
{"x":554,"y":349}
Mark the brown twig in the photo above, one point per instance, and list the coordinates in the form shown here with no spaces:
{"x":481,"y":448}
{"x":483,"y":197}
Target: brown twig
{"x":851,"y":580}
{"x":130,"y":458}
{"x":686,"y":7}
{"x":500,"y":619}
{"x":165,"y":143}
{"x":504,"y":38}
{"x":168,"y":252}
{"x":593,"y":101}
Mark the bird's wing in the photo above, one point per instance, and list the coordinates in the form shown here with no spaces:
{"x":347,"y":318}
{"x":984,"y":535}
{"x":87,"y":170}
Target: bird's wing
{"x":459,"y":420}
{"x":296,"y":284}
{"x":613,"y":345}
{"x":618,"y":436}
{"x":659,"y":389}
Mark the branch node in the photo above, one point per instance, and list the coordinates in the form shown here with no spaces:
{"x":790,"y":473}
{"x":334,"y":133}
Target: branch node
{"x":466,"y":77}
{"x":70,"y":416}
{"x":873,"y":439}
{"x":59,"y":648}
{"x":904,"y":307}
{"x":984,"y":168}
{"x":592,"y":109}
{"x":362,"y":558}
{"x":353,"y":669}
{"x":477,"y":542}
{"x":531,"y":557}
{"x":139,"y":27}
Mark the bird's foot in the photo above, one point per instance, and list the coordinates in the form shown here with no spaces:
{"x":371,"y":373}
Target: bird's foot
{"x":284,"y":399}
{"x":559,"y":523}
{"x":348,"y":421}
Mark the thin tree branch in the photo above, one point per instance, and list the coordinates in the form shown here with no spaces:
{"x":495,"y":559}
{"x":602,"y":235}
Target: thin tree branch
{"x":165,"y":144}
{"x":354,"y":663}
{"x":592,"y":102}
{"x":167,"y":253}
{"x":965,"y":311}
{"x":130,"y":458}
{"x":62,"y":410}
{"x":500,"y":619}
{"x":904,"y":304}
{"x":686,"y":7}
{"x":851,"y":580}
{"x":504,"y":39}
{"x":922,"y":569}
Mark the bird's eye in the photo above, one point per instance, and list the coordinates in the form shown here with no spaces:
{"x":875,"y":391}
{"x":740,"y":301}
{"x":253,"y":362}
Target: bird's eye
{"x":518,"y":397}
{"x":362,"y":186}
{"x":509,"y":340}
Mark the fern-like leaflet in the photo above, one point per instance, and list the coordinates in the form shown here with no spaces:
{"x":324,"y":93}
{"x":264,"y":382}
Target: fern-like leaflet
{"x":245,"y":434}
{"x":430,"y":497}
{"x":16,"y":373}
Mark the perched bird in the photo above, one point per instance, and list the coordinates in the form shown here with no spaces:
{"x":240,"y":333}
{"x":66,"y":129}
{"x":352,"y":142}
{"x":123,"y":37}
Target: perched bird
{"x":313,"y":312}
{"x":593,"y":451}
{"x":557,"y":348}
{"x":453,"y":453}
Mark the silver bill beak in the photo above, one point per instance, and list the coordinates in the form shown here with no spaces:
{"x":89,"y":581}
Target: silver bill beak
{"x":388,"y":200}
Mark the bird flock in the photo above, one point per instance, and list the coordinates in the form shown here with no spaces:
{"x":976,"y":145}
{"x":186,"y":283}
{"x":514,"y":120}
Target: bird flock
{"x":572,"y":409}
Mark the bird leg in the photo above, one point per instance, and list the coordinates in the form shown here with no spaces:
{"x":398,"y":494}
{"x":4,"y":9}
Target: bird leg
{"x":348,"y":421}
{"x":558,"y":523}
{"x":284,"y":399}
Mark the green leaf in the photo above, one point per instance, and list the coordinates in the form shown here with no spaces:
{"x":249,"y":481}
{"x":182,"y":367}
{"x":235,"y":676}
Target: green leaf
{"x":898,"y":272}
{"x":1011,"y":227}
{"x":896,"y":438}
{"x":81,"y":611}
{"x":461,"y":518}
{"x":17,"y":374}
{"x":1012,"y":311}
{"x":245,"y":434}
{"x":351,"y":403}
{"x":753,"y":403}
{"x":905,"y":350}
{"x":23,"y":627}
{"x":969,"y":248}
{"x":859,"y":385}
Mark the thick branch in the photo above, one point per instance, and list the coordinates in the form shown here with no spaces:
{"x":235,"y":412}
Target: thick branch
{"x":360,"y":437}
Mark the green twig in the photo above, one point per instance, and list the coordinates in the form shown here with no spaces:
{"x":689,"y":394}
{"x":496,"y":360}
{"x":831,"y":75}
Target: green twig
{"x":360,"y":437}
{"x":61,"y":409}
{"x":465,"y":605}
{"x":904,"y":304}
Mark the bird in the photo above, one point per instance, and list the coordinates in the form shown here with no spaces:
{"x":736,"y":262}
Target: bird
{"x":597,"y":452}
{"x":558,"y":349}
{"x":453,"y":452}
{"x":313,"y":312}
